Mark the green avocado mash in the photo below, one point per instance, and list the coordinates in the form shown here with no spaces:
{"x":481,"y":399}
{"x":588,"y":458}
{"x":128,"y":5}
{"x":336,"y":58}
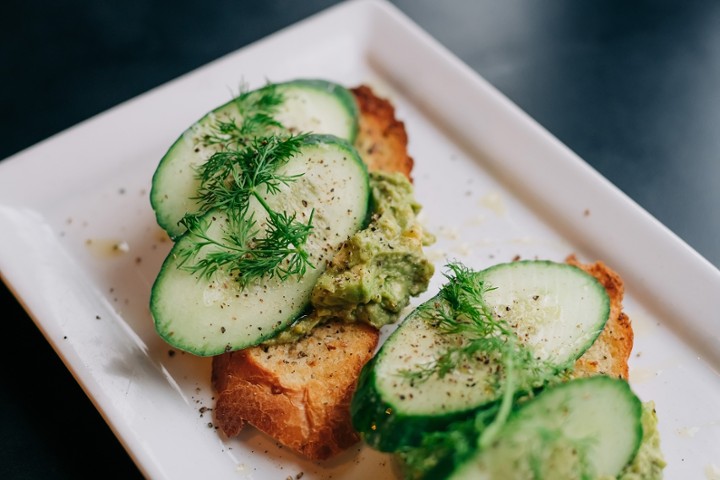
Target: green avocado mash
{"x":376,"y":271}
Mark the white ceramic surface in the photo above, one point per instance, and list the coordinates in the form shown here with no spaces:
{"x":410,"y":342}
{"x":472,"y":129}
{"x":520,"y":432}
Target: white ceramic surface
{"x":80,"y":247}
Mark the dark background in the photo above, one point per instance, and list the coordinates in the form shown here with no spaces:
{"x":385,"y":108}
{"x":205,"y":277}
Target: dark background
{"x":632,"y":87}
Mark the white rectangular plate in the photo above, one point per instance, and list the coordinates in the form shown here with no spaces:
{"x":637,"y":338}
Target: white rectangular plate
{"x":494,"y":184}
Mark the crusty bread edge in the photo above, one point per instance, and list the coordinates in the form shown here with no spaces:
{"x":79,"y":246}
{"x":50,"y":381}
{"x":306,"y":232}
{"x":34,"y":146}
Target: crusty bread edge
{"x":610,"y":353}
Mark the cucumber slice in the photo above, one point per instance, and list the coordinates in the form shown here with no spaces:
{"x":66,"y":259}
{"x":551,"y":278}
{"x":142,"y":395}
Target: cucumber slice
{"x":582,"y":429}
{"x":556,"y":308}
{"x":315,"y":106}
{"x":210,"y":316}
{"x":553,"y":312}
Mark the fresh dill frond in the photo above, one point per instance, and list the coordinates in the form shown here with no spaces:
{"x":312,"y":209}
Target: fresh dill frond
{"x":242,"y":254}
{"x":279,"y":253}
{"x":229,"y":178}
{"x":248,"y":155}
{"x":256,"y":112}
{"x":483,"y":339}
{"x":463,"y":311}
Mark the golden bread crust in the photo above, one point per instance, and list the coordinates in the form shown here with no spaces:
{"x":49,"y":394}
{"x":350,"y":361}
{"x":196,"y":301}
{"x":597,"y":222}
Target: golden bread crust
{"x":382,"y":139}
{"x":610,"y":353}
{"x":298,"y":393}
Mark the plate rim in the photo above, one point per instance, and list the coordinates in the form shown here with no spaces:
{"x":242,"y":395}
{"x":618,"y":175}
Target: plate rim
{"x":685,"y":260}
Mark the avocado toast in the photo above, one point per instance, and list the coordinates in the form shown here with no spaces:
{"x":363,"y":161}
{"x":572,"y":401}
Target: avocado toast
{"x":286,"y":346}
{"x":515,"y":371}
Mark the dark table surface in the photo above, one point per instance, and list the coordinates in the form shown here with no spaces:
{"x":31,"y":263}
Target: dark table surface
{"x":633,"y":88}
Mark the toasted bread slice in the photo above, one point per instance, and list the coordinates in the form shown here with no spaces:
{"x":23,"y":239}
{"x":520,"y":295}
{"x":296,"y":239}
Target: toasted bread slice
{"x":299,"y":393}
{"x":610,"y":353}
{"x":382,"y":139}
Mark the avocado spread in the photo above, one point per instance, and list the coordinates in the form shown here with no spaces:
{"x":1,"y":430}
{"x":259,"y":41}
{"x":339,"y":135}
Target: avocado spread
{"x":376,"y":271}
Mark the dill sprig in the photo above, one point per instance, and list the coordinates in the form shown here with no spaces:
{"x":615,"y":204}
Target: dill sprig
{"x":230,"y":177}
{"x":256,"y":110}
{"x":462,"y":311}
{"x":244,"y":255}
{"x":245,"y":166}
{"x":484,"y":338}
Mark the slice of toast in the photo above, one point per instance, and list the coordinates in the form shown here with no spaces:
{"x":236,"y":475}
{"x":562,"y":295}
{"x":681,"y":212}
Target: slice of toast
{"x":610,"y":353}
{"x":382,"y":139}
{"x":299,"y":393}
